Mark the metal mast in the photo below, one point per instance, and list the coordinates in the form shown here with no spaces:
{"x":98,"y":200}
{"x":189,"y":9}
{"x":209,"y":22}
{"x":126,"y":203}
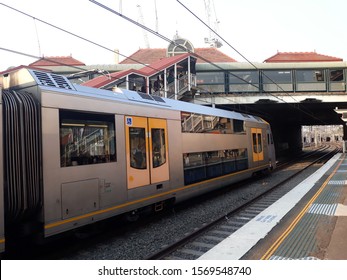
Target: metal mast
{"x":213,"y":42}
{"x":145,"y":36}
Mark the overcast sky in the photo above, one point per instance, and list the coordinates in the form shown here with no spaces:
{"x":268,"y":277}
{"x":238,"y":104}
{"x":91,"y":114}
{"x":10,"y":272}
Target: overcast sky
{"x":255,"y":28}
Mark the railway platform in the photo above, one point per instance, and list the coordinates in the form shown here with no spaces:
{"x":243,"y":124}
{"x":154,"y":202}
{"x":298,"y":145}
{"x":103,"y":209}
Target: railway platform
{"x":309,"y":222}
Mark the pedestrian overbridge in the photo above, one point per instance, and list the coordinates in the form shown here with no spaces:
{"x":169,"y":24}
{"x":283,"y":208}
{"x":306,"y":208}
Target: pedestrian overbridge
{"x":287,"y":95}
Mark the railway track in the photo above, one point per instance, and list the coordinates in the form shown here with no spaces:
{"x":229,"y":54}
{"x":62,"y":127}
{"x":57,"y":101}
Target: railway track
{"x":202,"y":239}
{"x":203,"y":222}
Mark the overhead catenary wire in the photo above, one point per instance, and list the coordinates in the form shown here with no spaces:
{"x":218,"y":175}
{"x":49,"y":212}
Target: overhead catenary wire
{"x":148,"y":29}
{"x":217,"y":66}
{"x":101,"y":72}
{"x":73,"y":34}
{"x":172,"y":42}
{"x":239,"y":53}
{"x":113,"y":51}
{"x":87,"y":40}
{"x":245,"y":58}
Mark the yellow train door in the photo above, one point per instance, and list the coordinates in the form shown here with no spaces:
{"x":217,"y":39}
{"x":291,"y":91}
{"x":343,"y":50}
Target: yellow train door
{"x":146,"y":151}
{"x":257,"y":144}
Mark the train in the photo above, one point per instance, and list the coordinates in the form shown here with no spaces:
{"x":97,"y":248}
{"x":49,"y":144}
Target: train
{"x":73,"y":155}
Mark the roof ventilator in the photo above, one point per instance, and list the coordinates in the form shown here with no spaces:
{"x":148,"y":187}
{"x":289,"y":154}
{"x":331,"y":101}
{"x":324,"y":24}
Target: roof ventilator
{"x":52,"y":80}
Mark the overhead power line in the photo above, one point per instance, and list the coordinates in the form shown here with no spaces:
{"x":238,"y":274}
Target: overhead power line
{"x":73,"y":34}
{"x":113,"y":51}
{"x":79,"y":37}
{"x":210,"y":62}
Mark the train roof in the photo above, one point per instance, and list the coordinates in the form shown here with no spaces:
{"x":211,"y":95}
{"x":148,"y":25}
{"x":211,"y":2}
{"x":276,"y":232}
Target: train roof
{"x":26,"y":78}
{"x":170,"y":104}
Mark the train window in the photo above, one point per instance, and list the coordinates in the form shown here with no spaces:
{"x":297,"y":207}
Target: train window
{"x":206,"y":165}
{"x":260,"y":145}
{"x":257,"y":143}
{"x":158,"y":147}
{"x":238,"y":126}
{"x":86,"y":138}
{"x":138,"y":147}
{"x":198,"y":123}
{"x":254,"y":140}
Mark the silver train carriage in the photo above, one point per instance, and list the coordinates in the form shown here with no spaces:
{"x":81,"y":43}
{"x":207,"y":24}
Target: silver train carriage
{"x":74,"y":155}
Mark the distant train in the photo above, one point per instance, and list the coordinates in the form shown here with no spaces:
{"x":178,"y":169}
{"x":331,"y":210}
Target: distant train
{"x":73,"y":155}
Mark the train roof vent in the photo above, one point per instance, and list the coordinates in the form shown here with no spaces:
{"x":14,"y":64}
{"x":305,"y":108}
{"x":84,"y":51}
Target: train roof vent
{"x":144,"y":97}
{"x":158,"y":98}
{"x":245,"y":115}
{"x":151,"y":97}
{"x":52,"y":80}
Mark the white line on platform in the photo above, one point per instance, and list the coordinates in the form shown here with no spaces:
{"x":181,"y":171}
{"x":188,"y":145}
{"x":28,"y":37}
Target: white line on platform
{"x":242,"y":240}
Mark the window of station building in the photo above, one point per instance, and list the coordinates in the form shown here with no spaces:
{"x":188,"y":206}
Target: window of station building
{"x":210,"y":78}
{"x":199,"y":123}
{"x":310,"y":76}
{"x":243,"y":81}
{"x":86,"y":138}
{"x":206,"y":165}
{"x":336,"y":75}
{"x":244,"y":77}
{"x":121,"y":83}
{"x":211,"y":82}
{"x":179,"y":46}
{"x":277,"y":76}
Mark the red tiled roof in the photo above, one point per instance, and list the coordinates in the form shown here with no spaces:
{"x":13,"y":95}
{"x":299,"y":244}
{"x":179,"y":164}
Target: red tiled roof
{"x":145,"y":56}
{"x":212,"y":55}
{"x":301,"y":57}
{"x":57,"y":61}
{"x":149,"y":56}
{"x":146,"y":71}
{"x":162,"y":64}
